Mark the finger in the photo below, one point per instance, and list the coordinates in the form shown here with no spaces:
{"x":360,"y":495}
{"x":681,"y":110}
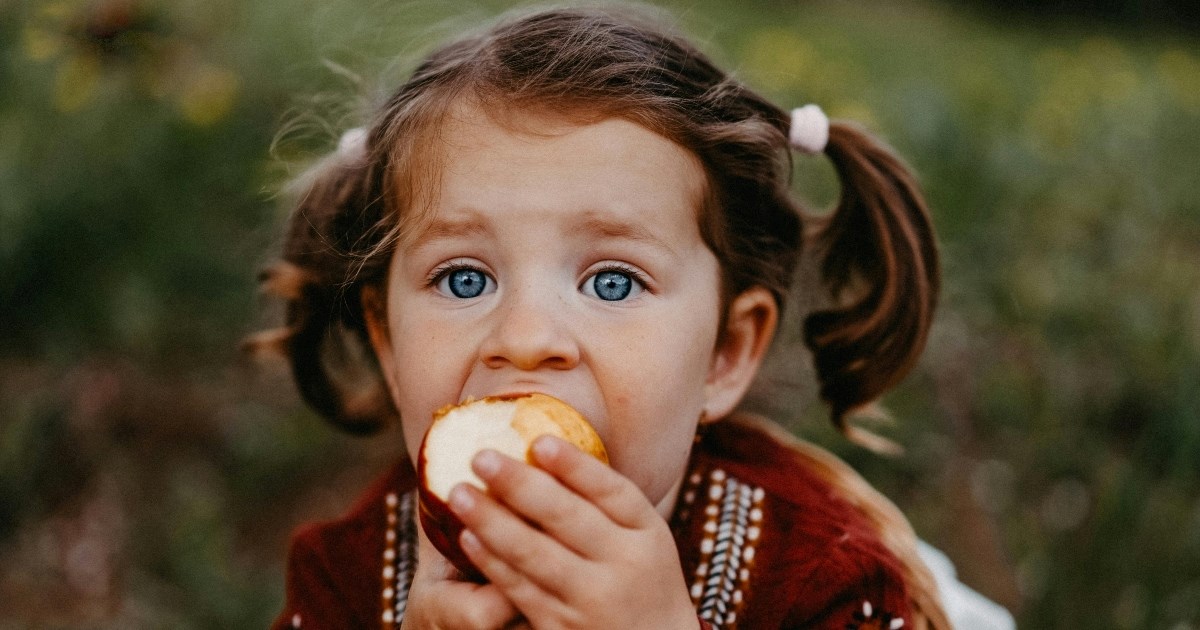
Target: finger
{"x":431,"y":563}
{"x":438,"y":599}
{"x":509,"y":539}
{"x":486,"y":610}
{"x":456,"y":610}
{"x":526,"y":594}
{"x":613,"y":493}
{"x":541,"y":499}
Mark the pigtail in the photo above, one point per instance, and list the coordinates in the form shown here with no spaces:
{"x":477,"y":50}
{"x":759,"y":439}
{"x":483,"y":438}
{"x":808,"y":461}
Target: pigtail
{"x":880,"y":262}
{"x":320,"y":279}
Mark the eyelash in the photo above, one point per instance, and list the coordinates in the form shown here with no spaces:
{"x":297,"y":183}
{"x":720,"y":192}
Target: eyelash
{"x":447,"y":268}
{"x":628,"y":270}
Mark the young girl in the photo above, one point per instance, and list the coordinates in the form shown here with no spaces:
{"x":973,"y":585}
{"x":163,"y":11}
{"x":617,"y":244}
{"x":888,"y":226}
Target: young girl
{"x":579,"y":203}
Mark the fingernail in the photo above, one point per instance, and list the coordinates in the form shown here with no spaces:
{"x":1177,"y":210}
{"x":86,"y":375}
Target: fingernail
{"x":545,"y":448}
{"x":469,"y":541}
{"x":486,"y":463}
{"x":460,"y":499}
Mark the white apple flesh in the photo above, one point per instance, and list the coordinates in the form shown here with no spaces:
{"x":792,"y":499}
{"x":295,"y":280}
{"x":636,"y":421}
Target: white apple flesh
{"x":508,"y":424}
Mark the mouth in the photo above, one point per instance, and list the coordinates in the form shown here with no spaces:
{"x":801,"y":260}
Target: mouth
{"x":575,"y":389}
{"x":505,"y":393}
{"x":522,"y":389}
{"x":513,"y":390}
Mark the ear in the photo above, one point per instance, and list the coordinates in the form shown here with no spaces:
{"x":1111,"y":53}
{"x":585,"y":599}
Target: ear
{"x":374,"y":311}
{"x":749,"y":327}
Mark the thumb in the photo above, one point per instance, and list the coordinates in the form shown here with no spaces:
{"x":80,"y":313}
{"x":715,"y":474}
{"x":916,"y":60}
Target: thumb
{"x":431,"y":564}
{"x":439,"y":598}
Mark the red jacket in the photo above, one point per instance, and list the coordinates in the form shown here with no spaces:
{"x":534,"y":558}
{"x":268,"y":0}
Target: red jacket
{"x":766,"y":541}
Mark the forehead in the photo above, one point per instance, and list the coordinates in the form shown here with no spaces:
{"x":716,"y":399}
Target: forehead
{"x":606,"y":168}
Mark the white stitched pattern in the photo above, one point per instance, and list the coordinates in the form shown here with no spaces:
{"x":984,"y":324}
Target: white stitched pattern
{"x":731,"y":531}
{"x":399,"y":557}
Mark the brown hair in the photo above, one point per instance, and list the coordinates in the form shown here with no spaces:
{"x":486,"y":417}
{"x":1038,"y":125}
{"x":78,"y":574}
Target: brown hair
{"x":877,"y":249}
{"x":879,"y":256}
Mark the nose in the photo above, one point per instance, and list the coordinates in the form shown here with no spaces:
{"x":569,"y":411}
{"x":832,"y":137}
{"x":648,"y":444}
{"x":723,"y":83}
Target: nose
{"x":530,"y":333}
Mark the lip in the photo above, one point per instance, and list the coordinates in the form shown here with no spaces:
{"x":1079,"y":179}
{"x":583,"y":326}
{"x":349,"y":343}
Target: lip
{"x":515,"y":392}
{"x":521,"y":388}
{"x":505,"y":392}
{"x":515,"y":388}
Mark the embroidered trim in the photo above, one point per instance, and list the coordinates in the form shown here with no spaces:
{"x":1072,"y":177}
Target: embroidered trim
{"x":866,"y":619}
{"x":732,"y":526}
{"x":687,"y":497}
{"x":399,"y":557}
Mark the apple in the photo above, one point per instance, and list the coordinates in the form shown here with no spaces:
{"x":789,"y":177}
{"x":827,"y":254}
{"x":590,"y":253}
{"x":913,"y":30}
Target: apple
{"x":508,"y":424}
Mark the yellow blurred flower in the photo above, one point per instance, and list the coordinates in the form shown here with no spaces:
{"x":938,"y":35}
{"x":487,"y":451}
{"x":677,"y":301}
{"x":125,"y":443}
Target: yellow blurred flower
{"x":91,"y":43}
{"x":41,"y":44}
{"x":1180,"y":72}
{"x":1075,"y":89}
{"x":1111,"y":71}
{"x":75,"y":82}
{"x":208,"y":96}
{"x":779,"y":59}
{"x":785,"y":64}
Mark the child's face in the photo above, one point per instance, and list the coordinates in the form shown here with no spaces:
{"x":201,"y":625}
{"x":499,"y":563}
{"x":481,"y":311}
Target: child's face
{"x":567,"y":261}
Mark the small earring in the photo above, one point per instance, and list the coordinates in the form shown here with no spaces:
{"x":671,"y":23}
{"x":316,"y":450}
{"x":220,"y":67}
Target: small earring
{"x":701,"y":427}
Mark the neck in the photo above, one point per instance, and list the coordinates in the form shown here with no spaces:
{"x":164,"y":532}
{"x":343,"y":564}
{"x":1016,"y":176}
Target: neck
{"x":666,"y":506}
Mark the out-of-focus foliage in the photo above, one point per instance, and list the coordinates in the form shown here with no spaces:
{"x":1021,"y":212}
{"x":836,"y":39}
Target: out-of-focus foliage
{"x":1178,"y":15}
{"x":149,"y":477}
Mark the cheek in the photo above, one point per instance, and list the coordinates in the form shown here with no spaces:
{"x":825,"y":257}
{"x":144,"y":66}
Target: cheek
{"x":653,"y":452}
{"x":427,"y":367}
{"x":414,"y":432}
{"x":423,"y":354}
{"x":652,"y":426}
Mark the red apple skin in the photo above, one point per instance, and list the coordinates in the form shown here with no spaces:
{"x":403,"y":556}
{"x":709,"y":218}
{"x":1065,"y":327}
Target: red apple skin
{"x":438,"y":521}
{"x":441,"y":526}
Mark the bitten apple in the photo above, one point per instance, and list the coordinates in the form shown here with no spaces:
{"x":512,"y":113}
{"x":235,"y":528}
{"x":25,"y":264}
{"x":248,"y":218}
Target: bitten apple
{"x":508,"y":424}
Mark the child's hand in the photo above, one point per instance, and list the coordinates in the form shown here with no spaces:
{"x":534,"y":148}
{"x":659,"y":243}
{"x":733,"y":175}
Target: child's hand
{"x":573,"y":544}
{"x":438,"y":599}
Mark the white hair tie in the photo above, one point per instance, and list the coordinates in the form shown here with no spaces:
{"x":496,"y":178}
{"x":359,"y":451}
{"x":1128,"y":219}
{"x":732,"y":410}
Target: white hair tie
{"x":810,"y":129}
{"x":353,"y":144}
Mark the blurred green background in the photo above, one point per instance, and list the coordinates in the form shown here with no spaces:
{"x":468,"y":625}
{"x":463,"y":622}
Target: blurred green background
{"x":150,"y":475}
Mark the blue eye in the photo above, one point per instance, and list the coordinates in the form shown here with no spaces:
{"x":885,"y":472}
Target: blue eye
{"x":465,"y":283}
{"x":612,"y":285}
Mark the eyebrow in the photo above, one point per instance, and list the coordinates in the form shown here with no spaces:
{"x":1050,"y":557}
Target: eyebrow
{"x":590,"y":224}
{"x":439,"y":229}
{"x":602,"y":227}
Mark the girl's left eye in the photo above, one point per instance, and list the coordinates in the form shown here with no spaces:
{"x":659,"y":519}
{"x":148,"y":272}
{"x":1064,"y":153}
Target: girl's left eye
{"x":612,"y":285}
